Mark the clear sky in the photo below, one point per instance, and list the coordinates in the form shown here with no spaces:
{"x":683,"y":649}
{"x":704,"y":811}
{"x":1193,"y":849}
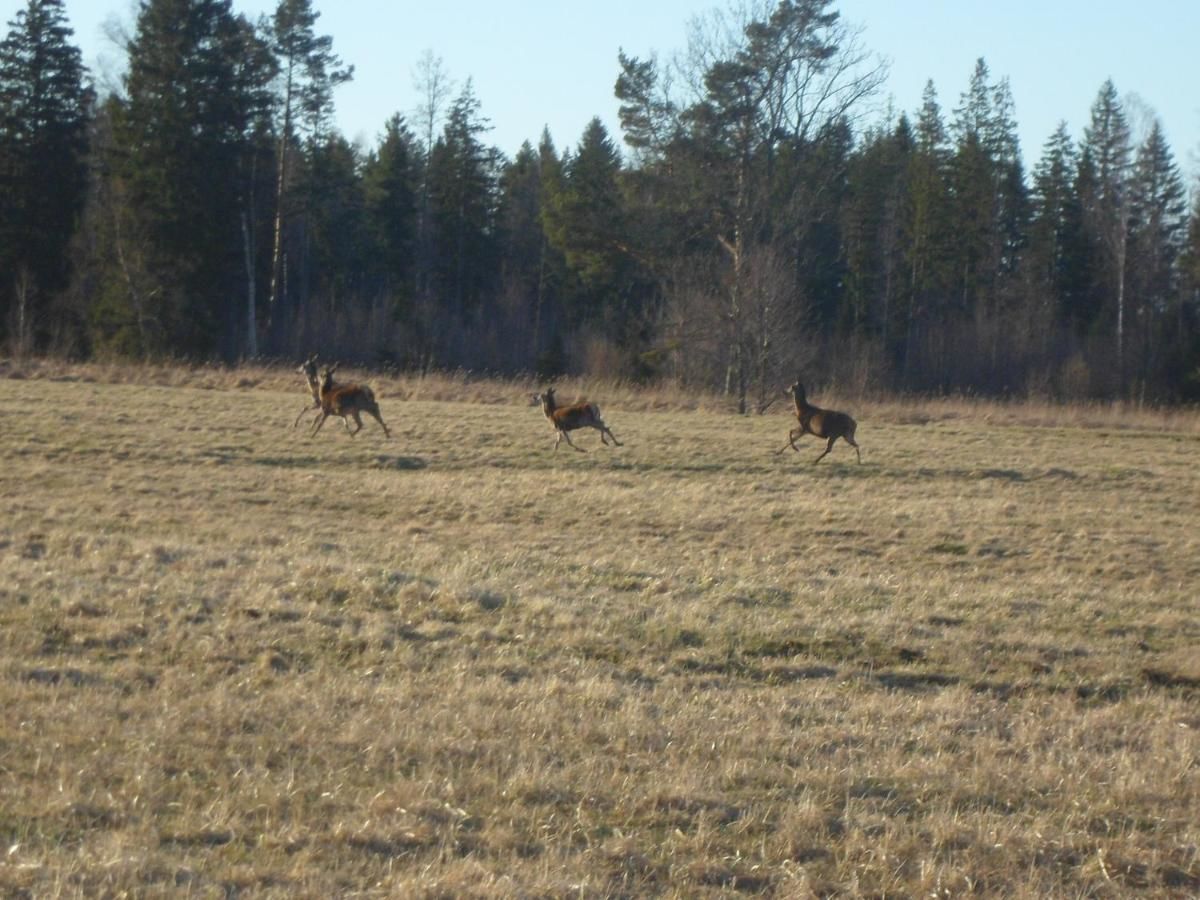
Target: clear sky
{"x":537,"y":63}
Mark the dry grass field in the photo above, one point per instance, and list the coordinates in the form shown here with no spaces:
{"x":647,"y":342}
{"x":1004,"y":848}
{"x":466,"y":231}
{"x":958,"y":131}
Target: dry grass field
{"x":237,"y":661}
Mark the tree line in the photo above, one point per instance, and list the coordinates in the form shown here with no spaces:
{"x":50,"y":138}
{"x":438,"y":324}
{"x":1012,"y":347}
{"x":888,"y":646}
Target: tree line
{"x":761,"y":219}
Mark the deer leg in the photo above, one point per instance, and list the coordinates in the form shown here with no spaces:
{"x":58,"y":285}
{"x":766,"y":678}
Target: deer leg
{"x":379,"y":419}
{"x":309,"y":408}
{"x":318,"y":423}
{"x":792,"y":435}
{"x":853,"y":443}
{"x":357,"y":422}
{"x":606,"y":433}
{"x":828,"y":447}
{"x":571,"y":442}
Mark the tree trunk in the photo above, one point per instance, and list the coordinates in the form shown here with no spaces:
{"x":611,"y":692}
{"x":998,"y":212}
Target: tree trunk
{"x":251,"y":307}
{"x":277,"y":258}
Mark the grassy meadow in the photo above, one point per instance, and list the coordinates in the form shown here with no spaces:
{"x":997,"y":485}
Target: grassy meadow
{"x":239,"y":661}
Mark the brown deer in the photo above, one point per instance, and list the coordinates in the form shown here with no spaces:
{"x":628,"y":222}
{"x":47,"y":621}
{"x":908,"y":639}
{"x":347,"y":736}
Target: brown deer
{"x":566,"y":419}
{"x":308,"y":369}
{"x":346,"y":400}
{"x":822,"y":423}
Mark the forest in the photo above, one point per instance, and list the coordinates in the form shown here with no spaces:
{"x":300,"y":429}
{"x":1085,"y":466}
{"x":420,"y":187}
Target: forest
{"x":756,"y":216}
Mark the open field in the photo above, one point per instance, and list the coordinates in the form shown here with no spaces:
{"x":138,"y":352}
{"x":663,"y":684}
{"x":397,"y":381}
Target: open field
{"x":237,"y":661}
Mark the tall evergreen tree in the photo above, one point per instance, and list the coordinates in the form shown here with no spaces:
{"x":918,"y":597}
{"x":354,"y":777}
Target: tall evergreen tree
{"x":586,"y":223}
{"x":648,"y":119}
{"x":463,"y":178}
{"x":194,"y":97}
{"x":1058,"y":253}
{"x":1011,"y":193}
{"x":973,"y":193}
{"x":929,"y":232}
{"x":1158,"y":229}
{"x":872,"y":233}
{"x":533,"y":269}
{"x":309,"y":71}
{"x":336,"y":247}
{"x":1186,"y":365}
{"x":390,"y":180}
{"x":44,"y":112}
{"x":989,"y":214}
{"x":1107,"y":154}
{"x":792,"y":80}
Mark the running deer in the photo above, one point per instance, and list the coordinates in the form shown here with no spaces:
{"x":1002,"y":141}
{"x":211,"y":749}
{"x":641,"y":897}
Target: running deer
{"x":566,"y":419}
{"x":308,"y":369}
{"x":822,"y":423}
{"x":346,"y":400}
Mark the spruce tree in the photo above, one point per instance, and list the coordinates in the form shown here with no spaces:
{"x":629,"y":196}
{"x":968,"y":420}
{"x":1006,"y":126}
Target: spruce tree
{"x":929,"y":235}
{"x":390,"y":181}
{"x":194,"y":102}
{"x":462,"y":185}
{"x":1059,"y":258}
{"x":44,"y":113}
{"x":335,"y":262}
{"x":1158,"y":223}
{"x":586,"y":223}
{"x":1108,"y":154}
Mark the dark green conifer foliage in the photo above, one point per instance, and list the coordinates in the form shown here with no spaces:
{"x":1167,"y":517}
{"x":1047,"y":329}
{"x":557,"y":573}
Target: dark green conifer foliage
{"x":309,"y":72}
{"x":1059,"y":252}
{"x":1104,"y":192}
{"x":195,"y":95}
{"x":462,"y":179}
{"x":44,"y":113}
{"x":586,"y":223}
{"x":390,"y":181}
{"x":1158,"y":230}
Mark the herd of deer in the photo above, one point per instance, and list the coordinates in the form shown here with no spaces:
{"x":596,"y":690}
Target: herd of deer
{"x":349,"y":401}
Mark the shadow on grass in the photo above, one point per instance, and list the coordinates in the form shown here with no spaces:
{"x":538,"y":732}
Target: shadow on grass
{"x":917,"y":682}
{"x":311,"y":461}
{"x":768,"y":674}
{"x":400,"y":463}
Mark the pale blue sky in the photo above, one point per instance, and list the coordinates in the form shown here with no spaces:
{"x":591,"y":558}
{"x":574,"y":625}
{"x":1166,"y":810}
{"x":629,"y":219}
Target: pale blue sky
{"x":539,"y":63}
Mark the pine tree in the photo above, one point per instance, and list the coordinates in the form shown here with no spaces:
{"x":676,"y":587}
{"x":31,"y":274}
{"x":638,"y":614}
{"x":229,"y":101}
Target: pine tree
{"x":790,"y":82}
{"x":309,"y":72}
{"x":648,"y":119}
{"x":44,"y":114}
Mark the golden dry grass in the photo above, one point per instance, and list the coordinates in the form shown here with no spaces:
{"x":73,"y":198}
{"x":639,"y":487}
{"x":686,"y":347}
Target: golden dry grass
{"x":237,"y":661}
